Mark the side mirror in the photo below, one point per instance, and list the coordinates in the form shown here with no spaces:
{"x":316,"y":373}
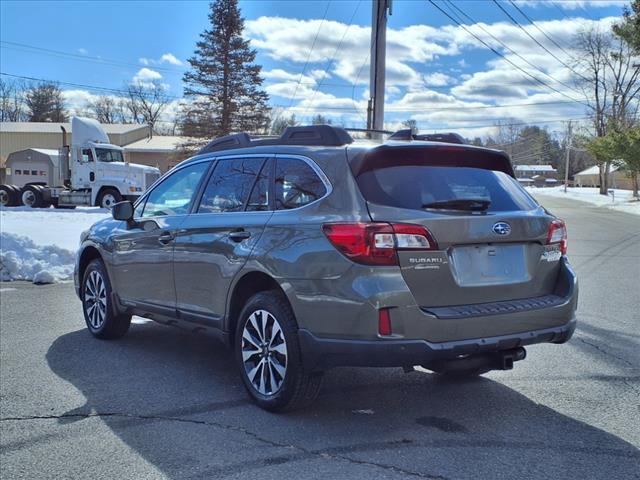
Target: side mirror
{"x":123,"y":211}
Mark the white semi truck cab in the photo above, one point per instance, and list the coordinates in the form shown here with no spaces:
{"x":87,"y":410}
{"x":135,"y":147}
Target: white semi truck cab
{"x":90,"y":171}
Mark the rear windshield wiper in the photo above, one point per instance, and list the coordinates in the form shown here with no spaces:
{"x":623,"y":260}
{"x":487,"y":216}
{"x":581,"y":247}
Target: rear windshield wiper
{"x":471,"y":204}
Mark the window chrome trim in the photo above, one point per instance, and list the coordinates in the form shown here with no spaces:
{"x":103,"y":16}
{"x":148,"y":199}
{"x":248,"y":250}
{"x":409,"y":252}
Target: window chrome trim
{"x":314,"y":166}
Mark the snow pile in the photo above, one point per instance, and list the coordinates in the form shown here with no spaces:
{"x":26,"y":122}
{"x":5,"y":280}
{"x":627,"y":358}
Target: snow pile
{"x":49,"y":226}
{"x":39,"y":244}
{"x":622,"y":200}
{"x":22,"y":259}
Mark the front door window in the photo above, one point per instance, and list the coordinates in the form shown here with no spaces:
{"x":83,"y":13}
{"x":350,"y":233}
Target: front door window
{"x":173,"y":196}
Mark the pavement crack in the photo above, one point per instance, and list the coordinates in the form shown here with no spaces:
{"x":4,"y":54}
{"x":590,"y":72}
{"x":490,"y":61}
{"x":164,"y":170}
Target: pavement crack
{"x":328,"y":453}
{"x":604,"y":352}
{"x":386,"y":466}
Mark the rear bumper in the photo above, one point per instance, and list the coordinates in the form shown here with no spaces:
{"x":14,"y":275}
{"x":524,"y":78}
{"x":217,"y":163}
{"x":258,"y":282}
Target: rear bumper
{"x":322,"y":353}
{"x":348,"y":335}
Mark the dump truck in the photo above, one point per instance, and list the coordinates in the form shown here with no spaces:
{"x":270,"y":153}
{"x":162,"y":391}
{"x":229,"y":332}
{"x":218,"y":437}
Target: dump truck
{"x":89,"y":172}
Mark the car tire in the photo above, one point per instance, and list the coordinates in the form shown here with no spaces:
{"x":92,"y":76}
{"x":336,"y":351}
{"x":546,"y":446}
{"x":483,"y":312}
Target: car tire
{"x":9,"y":196}
{"x":31,"y":196}
{"x":108,"y":198}
{"x":268,"y":328}
{"x":45,"y":203}
{"x":99,"y":312}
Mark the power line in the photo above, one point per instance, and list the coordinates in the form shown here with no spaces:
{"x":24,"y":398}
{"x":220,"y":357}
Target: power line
{"x":539,"y":28}
{"x":506,"y":124}
{"x":78,"y":85}
{"x":451,"y":4}
{"x":86,"y":58}
{"x":516,"y":23}
{"x":390,"y":109}
{"x":333,"y":57}
{"x":115,"y":62}
{"x":541,"y":82}
{"x":306,"y":63}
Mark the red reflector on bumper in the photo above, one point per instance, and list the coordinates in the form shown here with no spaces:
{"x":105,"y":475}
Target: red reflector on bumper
{"x":384,"y":322}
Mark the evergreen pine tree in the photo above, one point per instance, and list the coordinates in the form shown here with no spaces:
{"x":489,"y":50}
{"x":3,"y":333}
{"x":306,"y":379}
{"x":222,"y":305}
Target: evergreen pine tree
{"x":45,"y":103}
{"x":223,"y":86}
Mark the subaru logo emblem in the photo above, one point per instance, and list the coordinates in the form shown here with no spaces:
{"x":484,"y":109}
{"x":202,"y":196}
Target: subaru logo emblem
{"x":502,"y":228}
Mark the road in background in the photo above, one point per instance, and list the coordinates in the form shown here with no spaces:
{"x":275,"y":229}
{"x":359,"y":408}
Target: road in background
{"x":162,"y":403}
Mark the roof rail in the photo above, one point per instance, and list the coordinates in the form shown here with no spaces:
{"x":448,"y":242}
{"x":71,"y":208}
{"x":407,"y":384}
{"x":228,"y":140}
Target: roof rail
{"x":310,"y":135}
{"x":408,"y":134}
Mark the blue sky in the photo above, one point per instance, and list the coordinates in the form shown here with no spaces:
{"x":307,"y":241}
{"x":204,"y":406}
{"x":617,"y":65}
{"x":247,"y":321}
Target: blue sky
{"x":437,"y":72}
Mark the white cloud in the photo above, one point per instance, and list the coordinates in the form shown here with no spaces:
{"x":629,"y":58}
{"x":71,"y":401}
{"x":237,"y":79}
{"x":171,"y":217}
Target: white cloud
{"x":573,"y":4}
{"x":438,"y":79}
{"x":82,"y":51}
{"x":76,"y":100}
{"x":291,"y":39}
{"x":146,"y":75}
{"x":168,"y":57}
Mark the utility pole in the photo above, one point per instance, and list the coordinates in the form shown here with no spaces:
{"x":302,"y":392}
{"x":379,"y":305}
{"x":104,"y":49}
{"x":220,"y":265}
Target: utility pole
{"x":375,"y":106}
{"x":566,"y":164}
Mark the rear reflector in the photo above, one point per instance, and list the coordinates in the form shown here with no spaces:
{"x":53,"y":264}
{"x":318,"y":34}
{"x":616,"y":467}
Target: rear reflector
{"x":558,"y":235}
{"x":384,"y":322}
{"x":377,"y":243}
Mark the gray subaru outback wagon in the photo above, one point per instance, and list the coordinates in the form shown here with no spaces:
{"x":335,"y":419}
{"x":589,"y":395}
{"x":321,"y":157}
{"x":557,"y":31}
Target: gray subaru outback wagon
{"x":312,"y":250}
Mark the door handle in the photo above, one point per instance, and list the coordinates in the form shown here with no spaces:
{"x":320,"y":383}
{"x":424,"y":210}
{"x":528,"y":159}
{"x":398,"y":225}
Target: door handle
{"x":239,"y":235}
{"x":166,"y":238}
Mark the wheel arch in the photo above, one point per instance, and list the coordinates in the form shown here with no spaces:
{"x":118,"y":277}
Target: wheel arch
{"x":89,"y":253}
{"x":99,"y":192}
{"x":244,"y":288}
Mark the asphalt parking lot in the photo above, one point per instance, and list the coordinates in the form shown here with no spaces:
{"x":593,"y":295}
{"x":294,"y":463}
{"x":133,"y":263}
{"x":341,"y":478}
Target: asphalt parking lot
{"x":163,"y":403}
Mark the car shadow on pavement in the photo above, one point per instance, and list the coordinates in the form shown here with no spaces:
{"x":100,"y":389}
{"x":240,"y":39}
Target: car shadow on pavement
{"x":175,"y":398}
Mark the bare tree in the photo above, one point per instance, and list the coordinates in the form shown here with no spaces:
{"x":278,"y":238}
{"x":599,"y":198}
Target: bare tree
{"x":411,"y":124}
{"x":320,"y":120}
{"x":146,"y":102}
{"x":279,"y":124}
{"x":106,"y":109}
{"x":507,"y":133}
{"x":12,"y":108}
{"x":610,"y":86}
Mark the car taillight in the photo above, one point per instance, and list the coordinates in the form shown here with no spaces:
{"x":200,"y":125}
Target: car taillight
{"x":558,"y":235}
{"x":377,"y":243}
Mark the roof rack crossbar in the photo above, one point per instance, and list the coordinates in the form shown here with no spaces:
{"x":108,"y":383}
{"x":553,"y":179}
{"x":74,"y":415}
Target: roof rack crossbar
{"x":408,"y":134}
{"x":369,"y":130}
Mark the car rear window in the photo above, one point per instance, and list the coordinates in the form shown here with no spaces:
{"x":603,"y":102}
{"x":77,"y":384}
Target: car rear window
{"x":414,"y":186}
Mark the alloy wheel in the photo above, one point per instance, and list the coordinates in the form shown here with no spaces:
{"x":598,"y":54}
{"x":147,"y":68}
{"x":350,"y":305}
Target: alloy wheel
{"x":95,"y":299}
{"x":264,"y":352}
{"x":4,"y":198}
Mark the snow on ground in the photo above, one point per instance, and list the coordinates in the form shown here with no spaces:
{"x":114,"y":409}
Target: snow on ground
{"x":622,"y":200}
{"x":50,"y":226}
{"x":39,"y":244}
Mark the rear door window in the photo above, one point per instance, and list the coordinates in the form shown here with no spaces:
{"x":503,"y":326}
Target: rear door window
{"x":416,"y":186}
{"x":297,"y":184}
{"x":230,"y":185}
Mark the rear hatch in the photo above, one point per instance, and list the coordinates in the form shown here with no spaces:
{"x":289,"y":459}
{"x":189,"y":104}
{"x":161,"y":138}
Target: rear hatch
{"x":490,"y":235}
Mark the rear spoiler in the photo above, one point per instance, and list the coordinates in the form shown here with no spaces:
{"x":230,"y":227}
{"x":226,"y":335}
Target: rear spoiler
{"x":433,"y":154}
